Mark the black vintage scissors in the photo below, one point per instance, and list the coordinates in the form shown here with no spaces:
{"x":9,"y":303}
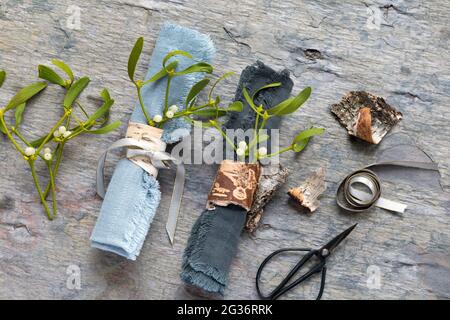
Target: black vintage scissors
{"x":321,"y":254}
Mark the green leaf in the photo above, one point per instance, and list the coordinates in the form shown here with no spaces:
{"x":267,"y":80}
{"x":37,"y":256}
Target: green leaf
{"x":36,"y":143}
{"x":270,"y":85}
{"x":192,"y":103}
{"x":282,"y":105}
{"x":292,"y":104}
{"x":299,"y":146}
{"x":189,"y":119}
{"x":201,"y":124}
{"x":175,"y":53}
{"x":308,"y":133}
{"x":198,"y":67}
{"x":18,"y":114}
{"x":162,"y":73}
{"x":196,"y":89}
{"x":134,"y":57}
{"x":108,"y":128}
{"x":236,"y":106}
{"x":105,"y":95}
{"x":301,"y":140}
{"x":48,"y":74}
{"x":25,"y":94}
{"x":248,"y":99}
{"x":64,"y":67}
{"x":74,"y":91}
{"x":2,"y":77}
{"x":101,"y":111}
{"x":210,"y":112}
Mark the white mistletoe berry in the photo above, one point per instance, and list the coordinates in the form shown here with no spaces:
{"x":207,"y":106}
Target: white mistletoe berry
{"x":47,"y":150}
{"x":262,"y":151}
{"x":67,"y":133}
{"x":157,"y":118}
{"x":240,"y":152}
{"x":29,"y":151}
{"x":62,"y":129}
{"x":169,"y":114}
{"x":173,"y":108}
{"x":56,"y":134}
{"x":48,"y":156}
{"x":242,"y":145}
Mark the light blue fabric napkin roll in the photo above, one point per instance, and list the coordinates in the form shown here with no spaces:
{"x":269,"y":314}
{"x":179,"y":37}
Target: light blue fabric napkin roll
{"x":133,"y":195}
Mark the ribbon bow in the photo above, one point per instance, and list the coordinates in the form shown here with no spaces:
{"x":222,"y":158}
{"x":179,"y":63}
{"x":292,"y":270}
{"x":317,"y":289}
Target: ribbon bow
{"x":159,"y":159}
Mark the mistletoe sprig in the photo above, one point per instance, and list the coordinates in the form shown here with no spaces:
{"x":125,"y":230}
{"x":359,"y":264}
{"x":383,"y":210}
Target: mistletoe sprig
{"x":284,"y":108}
{"x":211,"y":108}
{"x":49,"y":148}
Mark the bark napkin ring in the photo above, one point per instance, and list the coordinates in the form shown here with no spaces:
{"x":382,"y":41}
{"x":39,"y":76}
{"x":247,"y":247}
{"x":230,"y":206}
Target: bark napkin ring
{"x":146,"y":150}
{"x":350,"y":198}
{"x":235,"y":183}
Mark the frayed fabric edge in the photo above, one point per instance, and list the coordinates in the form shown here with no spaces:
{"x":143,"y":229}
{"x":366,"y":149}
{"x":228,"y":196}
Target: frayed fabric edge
{"x":213,"y":278}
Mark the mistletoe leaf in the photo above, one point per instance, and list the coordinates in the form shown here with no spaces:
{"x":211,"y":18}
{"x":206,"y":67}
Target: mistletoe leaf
{"x":210,"y":112}
{"x":64,"y":67}
{"x":105,"y":95}
{"x":249,"y":99}
{"x":301,"y":140}
{"x":175,"y":53}
{"x":197,"y":67}
{"x":162,"y":73}
{"x":101,"y":111}
{"x":134,"y":57}
{"x":50,"y":75}
{"x":196,"y":89}
{"x":2,"y":77}
{"x":290,"y":105}
{"x":18,"y":114}
{"x":270,"y":85}
{"x":74,"y":91}
{"x":108,"y":128}
{"x":235,"y":106}
{"x":25,"y":94}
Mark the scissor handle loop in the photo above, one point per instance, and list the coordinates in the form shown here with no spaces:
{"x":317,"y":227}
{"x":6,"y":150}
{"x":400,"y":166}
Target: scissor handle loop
{"x":283,"y":287}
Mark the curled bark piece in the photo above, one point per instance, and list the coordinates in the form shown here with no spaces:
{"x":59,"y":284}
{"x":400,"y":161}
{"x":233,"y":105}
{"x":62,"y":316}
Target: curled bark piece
{"x":366,"y":116}
{"x":308,"y":193}
{"x":271,"y":179}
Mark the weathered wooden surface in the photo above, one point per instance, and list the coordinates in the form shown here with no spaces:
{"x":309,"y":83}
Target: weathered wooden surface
{"x":329,"y":45}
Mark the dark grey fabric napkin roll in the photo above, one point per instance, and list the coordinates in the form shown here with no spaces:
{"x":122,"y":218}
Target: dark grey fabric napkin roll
{"x":215,"y":235}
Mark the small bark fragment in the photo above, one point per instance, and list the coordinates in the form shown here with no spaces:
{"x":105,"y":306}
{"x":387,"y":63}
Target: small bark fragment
{"x":366,"y":116}
{"x":271,"y":179}
{"x":308,"y":193}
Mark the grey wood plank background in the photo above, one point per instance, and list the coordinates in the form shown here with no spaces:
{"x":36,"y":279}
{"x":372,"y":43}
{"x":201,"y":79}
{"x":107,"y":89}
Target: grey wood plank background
{"x":333,"y":46}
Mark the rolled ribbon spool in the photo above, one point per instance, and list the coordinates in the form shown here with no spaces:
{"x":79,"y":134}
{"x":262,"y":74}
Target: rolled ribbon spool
{"x":350,"y":198}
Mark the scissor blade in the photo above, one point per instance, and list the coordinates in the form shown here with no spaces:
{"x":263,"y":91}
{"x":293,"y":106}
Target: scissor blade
{"x":330,"y":246}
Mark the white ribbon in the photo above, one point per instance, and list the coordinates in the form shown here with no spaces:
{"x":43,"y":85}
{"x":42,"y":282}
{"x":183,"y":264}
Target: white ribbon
{"x":160,"y":160}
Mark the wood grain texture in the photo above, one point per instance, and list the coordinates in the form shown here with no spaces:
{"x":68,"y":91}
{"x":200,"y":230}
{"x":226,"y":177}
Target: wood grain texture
{"x":326,"y":45}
